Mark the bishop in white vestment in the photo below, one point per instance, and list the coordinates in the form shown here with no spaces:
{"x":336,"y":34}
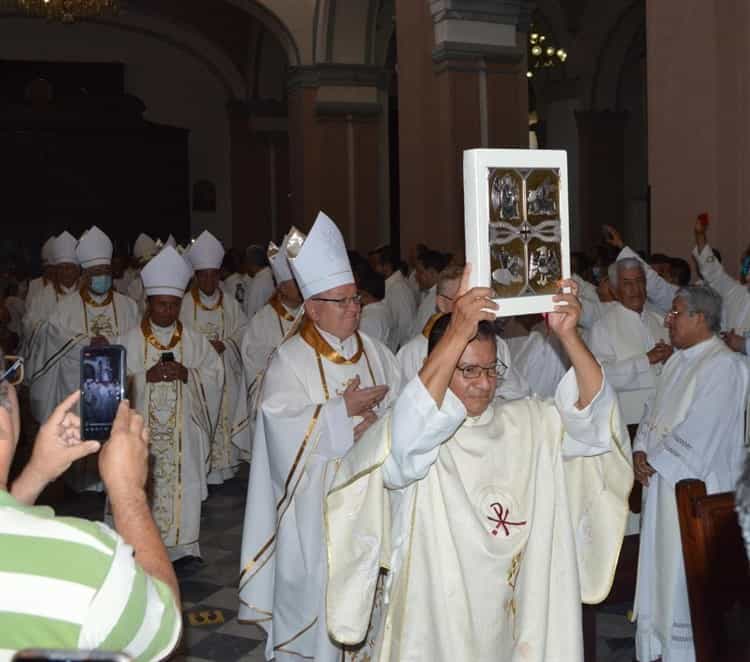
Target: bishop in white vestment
{"x":38,"y":284}
{"x":93,"y":315}
{"x":175,"y":384}
{"x":221,"y":321}
{"x":269,"y":327}
{"x":323,"y":388}
{"x":693,"y":428}
{"x":65,"y":273}
{"x":494,"y":520}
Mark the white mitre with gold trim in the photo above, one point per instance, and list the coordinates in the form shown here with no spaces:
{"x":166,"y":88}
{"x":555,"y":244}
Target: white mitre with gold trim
{"x":206,"y":252}
{"x":94,"y":248}
{"x":64,"y":249}
{"x":166,"y":274}
{"x":277,"y":258}
{"x":319,"y":261}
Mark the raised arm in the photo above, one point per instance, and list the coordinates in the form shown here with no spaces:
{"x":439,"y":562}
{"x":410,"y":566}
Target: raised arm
{"x":658,"y":290}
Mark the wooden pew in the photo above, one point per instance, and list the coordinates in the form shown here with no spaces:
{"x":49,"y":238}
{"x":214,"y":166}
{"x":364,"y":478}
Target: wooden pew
{"x":716,"y":568}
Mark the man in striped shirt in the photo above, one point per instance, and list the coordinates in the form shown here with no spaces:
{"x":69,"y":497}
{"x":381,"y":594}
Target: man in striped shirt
{"x":69,"y":583}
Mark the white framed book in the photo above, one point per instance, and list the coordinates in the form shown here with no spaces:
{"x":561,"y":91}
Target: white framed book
{"x":517,"y":225}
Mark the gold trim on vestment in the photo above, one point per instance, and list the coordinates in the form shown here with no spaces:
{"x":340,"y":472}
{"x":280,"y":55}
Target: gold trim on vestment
{"x":430,"y":324}
{"x":87,"y":300}
{"x":312,"y":337}
{"x":300,"y":452}
{"x":148,"y":334}
{"x":281,"y":312}
{"x":195,"y":292}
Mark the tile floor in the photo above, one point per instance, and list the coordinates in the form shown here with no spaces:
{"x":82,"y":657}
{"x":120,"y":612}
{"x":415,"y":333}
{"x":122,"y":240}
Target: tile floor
{"x":209,"y":590}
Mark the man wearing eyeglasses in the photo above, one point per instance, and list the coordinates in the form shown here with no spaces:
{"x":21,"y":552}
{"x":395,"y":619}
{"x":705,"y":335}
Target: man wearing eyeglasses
{"x":323,"y":388}
{"x":495,"y":521}
{"x":694,"y":427}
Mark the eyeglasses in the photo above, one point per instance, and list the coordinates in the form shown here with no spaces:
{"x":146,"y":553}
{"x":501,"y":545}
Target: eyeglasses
{"x":343,"y":302}
{"x":674,"y":313}
{"x":476,"y":371}
{"x":14,"y":373}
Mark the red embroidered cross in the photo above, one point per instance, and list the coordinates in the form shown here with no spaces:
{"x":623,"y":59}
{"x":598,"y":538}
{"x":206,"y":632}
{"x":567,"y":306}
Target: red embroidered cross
{"x":500,"y":519}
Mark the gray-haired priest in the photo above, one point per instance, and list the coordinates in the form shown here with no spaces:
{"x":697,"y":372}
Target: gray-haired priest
{"x":495,"y":520}
{"x":693,"y":428}
{"x":175,"y":384}
{"x":323,"y":388}
{"x":221,"y":321}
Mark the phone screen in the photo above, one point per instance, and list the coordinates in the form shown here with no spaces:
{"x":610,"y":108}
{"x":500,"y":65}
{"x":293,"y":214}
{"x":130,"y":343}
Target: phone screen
{"x":103,"y":375}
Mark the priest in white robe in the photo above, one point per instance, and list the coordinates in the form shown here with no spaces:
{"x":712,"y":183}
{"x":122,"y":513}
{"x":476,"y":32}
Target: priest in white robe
{"x":539,"y":356}
{"x":38,"y":284}
{"x":93,"y":315}
{"x":220,"y":320}
{"x":429,"y":265}
{"x":735,"y":295}
{"x":495,"y":521}
{"x":262,"y":285}
{"x":511,"y":386}
{"x":175,"y":380}
{"x":631,"y":341}
{"x":693,"y":428}
{"x":399,"y":296}
{"x":65,"y":274}
{"x":269,"y":327}
{"x":143,"y":250}
{"x":323,"y":388}
{"x":659,"y":291}
{"x":375,"y":319}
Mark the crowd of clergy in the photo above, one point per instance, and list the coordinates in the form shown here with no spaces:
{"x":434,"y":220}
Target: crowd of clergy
{"x":427,"y":481}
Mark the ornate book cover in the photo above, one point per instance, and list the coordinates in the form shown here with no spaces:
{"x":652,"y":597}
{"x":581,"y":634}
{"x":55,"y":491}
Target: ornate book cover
{"x":516,"y":224}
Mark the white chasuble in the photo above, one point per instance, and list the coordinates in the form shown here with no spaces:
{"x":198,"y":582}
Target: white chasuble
{"x":693,"y":428}
{"x":182,"y":419}
{"x":220,"y":317}
{"x":494,"y":529}
{"x":39,"y":309}
{"x":302,"y":427}
{"x":262,"y":336}
{"x":402,"y":306}
{"x":621,"y":339}
{"x":412,"y":355}
{"x":54,"y":349}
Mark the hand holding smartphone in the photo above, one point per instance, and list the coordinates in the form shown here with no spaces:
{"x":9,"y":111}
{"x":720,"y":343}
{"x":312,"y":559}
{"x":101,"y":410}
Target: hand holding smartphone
{"x":103,"y":373}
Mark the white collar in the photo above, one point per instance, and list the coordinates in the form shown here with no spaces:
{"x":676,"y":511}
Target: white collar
{"x":209,"y":300}
{"x":346,"y":348}
{"x":163,"y":332}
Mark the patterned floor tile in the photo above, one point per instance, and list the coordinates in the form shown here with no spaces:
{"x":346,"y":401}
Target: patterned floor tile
{"x":218,"y":646}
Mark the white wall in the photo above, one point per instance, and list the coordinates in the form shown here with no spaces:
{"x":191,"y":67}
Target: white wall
{"x":177,"y":88}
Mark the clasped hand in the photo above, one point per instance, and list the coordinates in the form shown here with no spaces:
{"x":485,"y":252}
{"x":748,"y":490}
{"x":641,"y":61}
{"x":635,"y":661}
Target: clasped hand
{"x":362,"y":402}
{"x":167,"y":371}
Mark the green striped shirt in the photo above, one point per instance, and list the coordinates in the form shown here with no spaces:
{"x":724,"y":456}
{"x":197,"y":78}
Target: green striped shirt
{"x":73,"y":584}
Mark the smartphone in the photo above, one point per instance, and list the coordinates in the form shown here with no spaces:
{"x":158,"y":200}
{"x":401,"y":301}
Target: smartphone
{"x":103,"y":374}
{"x":167,"y":357}
{"x":13,"y":372}
{"x":41,"y":655}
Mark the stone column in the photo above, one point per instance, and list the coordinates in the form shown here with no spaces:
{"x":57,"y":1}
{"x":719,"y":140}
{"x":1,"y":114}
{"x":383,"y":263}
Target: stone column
{"x":334,"y":129}
{"x":462,"y":84}
{"x":601,"y":163}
